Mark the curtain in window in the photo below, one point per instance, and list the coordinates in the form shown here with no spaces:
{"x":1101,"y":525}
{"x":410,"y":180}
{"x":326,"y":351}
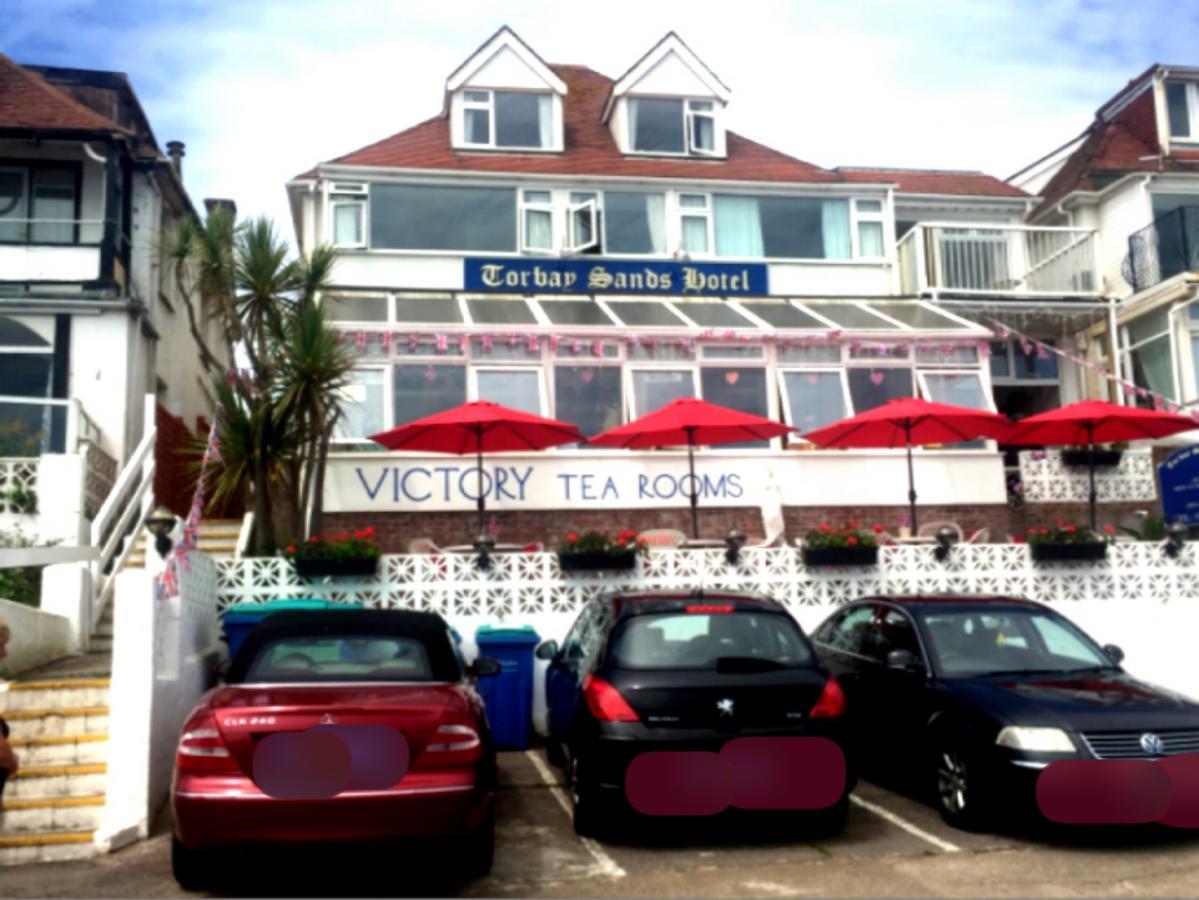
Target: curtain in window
{"x":545,"y":115}
{"x":834,"y":226}
{"x":1151,"y":366}
{"x":655,"y":217}
{"x":539,"y":229}
{"x":695,"y":234}
{"x":738,"y":227}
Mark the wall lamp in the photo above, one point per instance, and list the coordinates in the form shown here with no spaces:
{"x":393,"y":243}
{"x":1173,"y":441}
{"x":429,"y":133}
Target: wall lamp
{"x":160,"y":523}
{"x":485,"y":545}
{"x":946,"y":537}
{"x":1176,"y":538}
{"x":734,"y":540}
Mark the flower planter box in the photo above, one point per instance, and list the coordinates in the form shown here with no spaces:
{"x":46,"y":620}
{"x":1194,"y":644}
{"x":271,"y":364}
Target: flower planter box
{"x":1089,"y":551}
{"x":1102,"y":458}
{"x":354,"y":566}
{"x":840,"y":556}
{"x":584,"y":562}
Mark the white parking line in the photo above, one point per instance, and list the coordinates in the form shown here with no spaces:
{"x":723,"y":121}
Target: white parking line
{"x":900,"y":822}
{"x":606,"y":866}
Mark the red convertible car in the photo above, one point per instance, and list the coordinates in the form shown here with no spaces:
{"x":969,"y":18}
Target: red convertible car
{"x":337,"y":726}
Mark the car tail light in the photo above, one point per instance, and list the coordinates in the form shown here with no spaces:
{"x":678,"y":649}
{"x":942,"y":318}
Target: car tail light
{"x":831,"y":703}
{"x":605,"y":702}
{"x":453,"y":738}
{"x":456,"y":741}
{"x":201,"y":747}
{"x":710,"y":608}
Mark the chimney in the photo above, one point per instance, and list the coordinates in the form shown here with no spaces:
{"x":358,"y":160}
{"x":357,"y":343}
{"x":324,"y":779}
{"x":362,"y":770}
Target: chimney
{"x":175,"y":152}
{"x":211,"y":203}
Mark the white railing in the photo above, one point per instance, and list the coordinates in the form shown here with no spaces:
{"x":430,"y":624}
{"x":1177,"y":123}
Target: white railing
{"x":117,"y":524}
{"x":1046,"y":479}
{"x":968,"y":258}
{"x":36,"y":425}
{"x":18,"y":485}
{"x":244,"y":535}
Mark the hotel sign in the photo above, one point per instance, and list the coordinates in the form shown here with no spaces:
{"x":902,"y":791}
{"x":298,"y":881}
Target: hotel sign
{"x":614,"y":276}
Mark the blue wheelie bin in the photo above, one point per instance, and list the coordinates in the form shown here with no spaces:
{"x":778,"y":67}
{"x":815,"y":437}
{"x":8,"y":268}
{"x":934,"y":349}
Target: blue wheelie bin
{"x":240,"y":619}
{"x":508,"y":694}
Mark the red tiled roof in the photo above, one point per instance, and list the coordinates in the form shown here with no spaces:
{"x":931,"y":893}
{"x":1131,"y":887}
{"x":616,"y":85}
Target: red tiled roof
{"x":933,"y":181}
{"x":28,"y":101}
{"x":590,"y":148}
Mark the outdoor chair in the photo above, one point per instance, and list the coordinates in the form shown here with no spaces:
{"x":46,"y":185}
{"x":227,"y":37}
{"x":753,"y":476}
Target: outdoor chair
{"x":663,"y":538}
{"x":930,"y":529}
{"x":533,"y":547}
{"x":423,"y":545}
{"x":981,"y":536}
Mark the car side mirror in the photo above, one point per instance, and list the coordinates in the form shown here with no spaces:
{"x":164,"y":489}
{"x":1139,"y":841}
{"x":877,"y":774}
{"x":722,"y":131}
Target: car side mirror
{"x":547,"y":650}
{"x":485,"y":666}
{"x":1114,"y":653}
{"x":904,"y":660}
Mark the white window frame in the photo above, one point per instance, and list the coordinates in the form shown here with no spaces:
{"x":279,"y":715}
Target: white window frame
{"x":589,"y":207}
{"x":690,"y":115}
{"x":524,"y":207}
{"x":858,"y":217}
{"x":536,"y":368}
{"x":388,"y":416}
{"x":631,"y":410}
{"x":680,"y":212}
{"x":349,"y":195}
{"x":984,"y":382}
{"x":793,"y":438}
{"x":555,"y":361}
{"x":489,"y":106}
{"x":763,"y":362}
{"x":1192,"y":98}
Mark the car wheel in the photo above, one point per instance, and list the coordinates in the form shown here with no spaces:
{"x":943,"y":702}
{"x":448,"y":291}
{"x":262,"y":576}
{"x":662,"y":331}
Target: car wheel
{"x":591,"y":819}
{"x":480,"y":847}
{"x":831,"y":821}
{"x":190,"y":867}
{"x":955,"y":782}
{"x":553,"y":752}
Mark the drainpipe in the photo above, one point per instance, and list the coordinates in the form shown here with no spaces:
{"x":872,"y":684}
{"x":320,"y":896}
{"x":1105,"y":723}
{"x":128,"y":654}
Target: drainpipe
{"x":1114,"y":350}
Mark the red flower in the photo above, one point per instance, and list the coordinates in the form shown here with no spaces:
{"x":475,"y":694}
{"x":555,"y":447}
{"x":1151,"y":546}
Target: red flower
{"x":1061,"y":524}
{"x":314,"y":540}
{"x":571,"y":537}
{"x":643,"y":543}
{"x":824,"y":526}
{"x":291,"y":548}
{"x":852,"y":540}
{"x":1044,"y":531}
{"x":1019,"y":539}
{"x":1031,"y":529}
{"x":1070,"y":529}
{"x":1109,"y":529}
{"x":853,"y":523}
{"x":369,"y":532}
{"x":622,"y":541}
{"x":878,"y":529}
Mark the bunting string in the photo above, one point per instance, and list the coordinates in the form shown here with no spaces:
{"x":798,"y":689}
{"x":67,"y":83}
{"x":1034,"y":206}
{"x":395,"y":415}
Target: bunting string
{"x":167,"y":582}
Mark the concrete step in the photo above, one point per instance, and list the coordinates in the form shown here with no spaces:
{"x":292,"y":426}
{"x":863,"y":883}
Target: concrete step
{"x":49,"y":814}
{"x":57,"y":846}
{"x":84,"y":780}
{"x":43,"y":723}
{"x":100,"y":643}
{"x":57,"y":694}
{"x":61,"y":750}
{"x":103,"y":628}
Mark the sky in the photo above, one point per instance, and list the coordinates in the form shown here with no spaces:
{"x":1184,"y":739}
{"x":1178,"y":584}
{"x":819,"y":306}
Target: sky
{"x":261,"y":90}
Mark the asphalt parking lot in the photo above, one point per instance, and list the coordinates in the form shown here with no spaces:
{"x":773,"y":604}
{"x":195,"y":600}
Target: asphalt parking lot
{"x":891,"y":846}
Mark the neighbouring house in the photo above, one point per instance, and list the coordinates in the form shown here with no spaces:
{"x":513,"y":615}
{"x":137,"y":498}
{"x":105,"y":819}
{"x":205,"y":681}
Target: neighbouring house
{"x":590,"y":248}
{"x":91,"y":323}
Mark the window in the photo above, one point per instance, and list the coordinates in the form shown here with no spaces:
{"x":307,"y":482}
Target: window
{"x":713,"y":314}
{"x":694,"y":641}
{"x":589,"y":396}
{"x":574,"y":312}
{"x":38,"y":204}
{"x":355,"y":308}
{"x":869,"y":388}
{"x":583,"y":223}
{"x":347,"y":203}
{"x":358,"y":657}
{"x":849,"y":631}
{"x":362,"y":405}
{"x":656,"y":125}
{"x":782,"y":315}
{"x":634,"y":222}
{"x":741,"y":388}
{"x":868,"y":216}
{"x":654,"y":388}
{"x":537,"y":221}
{"x":26,"y":370}
{"x":956,"y":389}
{"x":1181,"y":104}
{"x":507,"y":119}
{"x":1148,"y":357}
{"x":500,"y":312}
{"x":701,"y":130}
{"x":438,"y":310}
{"x":695,"y":224}
{"x":781,"y":227}
{"x":518,"y":388}
{"x":813,"y":398}
{"x":643,"y":313}
{"x":421,"y":389}
{"x":895,"y":632}
{"x":427,"y":217}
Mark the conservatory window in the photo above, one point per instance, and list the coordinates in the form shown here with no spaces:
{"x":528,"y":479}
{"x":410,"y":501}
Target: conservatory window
{"x":590,"y":396}
{"x":518,"y":388}
{"x":362,"y":405}
{"x":869,"y":388}
{"x":654,"y":388}
{"x":422,"y":389}
{"x":813,"y":398}
{"x":742,"y":388}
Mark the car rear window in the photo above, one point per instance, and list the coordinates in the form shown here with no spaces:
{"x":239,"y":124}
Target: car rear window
{"x":342,"y":658}
{"x":708,"y":640}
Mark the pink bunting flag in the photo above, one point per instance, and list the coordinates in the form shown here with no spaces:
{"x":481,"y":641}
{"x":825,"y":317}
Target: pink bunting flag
{"x":385,"y":340}
{"x":534,"y":344}
{"x":487,"y":342}
{"x":442,"y":343}
{"x":597,"y":348}
{"x":554,"y":340}
{"x":464,"y":344}
{"x":360,"y":340}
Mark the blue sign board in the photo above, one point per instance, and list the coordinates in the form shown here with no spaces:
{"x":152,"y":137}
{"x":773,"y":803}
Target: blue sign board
{"x":614,"y":276}
{"x":1180,"y":486}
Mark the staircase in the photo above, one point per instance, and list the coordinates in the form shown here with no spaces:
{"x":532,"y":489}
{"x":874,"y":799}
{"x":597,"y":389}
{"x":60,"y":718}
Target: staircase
{"x":52,"y":805}
{"x":216,"y":536}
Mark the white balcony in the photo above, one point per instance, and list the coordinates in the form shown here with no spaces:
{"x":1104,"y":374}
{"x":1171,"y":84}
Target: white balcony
{"x":50,"y":250}
{"x":967,"y":259}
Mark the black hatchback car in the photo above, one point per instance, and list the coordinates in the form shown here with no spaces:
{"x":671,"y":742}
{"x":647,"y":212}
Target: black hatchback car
{"x":975,"y":695}
{"x":665,"y":671}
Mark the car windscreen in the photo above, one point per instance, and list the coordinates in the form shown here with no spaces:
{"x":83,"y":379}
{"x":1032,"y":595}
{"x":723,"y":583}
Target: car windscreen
{"x":737,"y":640}
{"x":976,"y":642}
{"x":349,"y":657}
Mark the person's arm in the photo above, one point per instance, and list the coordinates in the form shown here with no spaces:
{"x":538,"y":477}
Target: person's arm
{"x":8,"y":757}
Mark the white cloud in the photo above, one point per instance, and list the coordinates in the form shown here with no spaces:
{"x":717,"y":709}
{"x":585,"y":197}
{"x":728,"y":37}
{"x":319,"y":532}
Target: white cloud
{"x":261,"y":91}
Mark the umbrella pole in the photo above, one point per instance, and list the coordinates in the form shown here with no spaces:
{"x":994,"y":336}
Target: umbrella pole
{"x":1091,"y":465}
{"x":907,"y":430}
{"x":481,"y":505}
{"x":694,"y":483}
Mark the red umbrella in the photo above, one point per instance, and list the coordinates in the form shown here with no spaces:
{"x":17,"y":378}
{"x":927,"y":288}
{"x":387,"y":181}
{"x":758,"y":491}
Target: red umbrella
{"x":909,"y":422}
{"x":476,"y":428}
{"x":1093,"y":422}
{"x":690,"y":422}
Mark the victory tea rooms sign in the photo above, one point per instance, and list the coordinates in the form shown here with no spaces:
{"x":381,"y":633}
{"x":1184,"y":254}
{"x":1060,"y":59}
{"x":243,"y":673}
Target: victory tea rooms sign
{"x":614,"y":276}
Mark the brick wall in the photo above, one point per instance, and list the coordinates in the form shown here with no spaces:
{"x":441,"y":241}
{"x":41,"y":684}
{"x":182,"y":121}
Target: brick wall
{"x":548,"y":526}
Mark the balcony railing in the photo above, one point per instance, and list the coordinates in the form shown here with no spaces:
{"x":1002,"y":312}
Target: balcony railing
{"x":31,"y":426}
{"x":962,"y":258}
{"x":1164,"y":249}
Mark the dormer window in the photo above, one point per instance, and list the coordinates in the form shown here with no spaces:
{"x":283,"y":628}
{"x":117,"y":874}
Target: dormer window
{"x":507,"y":119}
{"x":660,"y":125}
{"x":1182,"y":109}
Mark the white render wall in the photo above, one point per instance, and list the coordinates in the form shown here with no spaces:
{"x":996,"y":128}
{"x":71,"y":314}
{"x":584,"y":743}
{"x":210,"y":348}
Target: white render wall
{"x":1121,"y":212}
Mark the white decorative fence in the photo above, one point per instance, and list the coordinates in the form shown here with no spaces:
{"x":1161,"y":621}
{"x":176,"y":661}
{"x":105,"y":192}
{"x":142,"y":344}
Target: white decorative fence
{"x":1047,"y":480}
